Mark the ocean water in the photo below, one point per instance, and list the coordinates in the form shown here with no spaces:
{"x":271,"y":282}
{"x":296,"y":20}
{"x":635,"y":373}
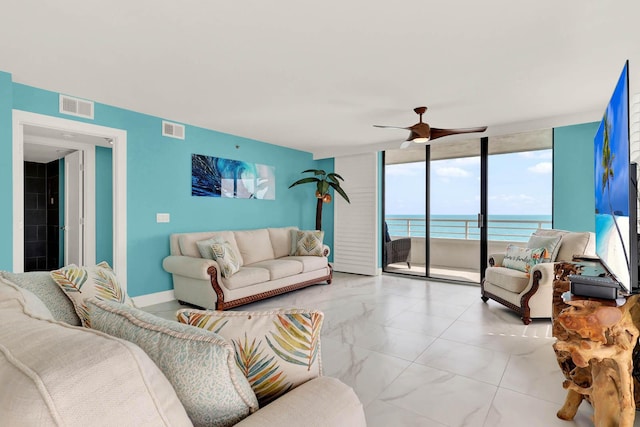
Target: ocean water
{"x":500,"y":227}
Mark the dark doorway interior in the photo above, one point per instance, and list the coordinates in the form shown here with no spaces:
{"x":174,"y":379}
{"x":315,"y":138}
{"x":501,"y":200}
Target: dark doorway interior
{"x":41,"y":216}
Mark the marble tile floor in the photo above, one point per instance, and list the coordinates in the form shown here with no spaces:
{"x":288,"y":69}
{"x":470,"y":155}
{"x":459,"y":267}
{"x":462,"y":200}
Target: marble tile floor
{"x":431,"y":354}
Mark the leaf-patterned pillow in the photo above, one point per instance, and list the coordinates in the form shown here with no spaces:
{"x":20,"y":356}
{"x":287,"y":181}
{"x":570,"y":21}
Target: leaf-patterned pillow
{"x":80,"y":283}
{"x":309,"y":243}
{"x":226,"y":258}
{"x":276,"y":350}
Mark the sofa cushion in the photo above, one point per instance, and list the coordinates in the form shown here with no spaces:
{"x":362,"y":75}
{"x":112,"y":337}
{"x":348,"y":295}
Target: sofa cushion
{"x":309,"y":243}
{"x":31,"y":303}
{"x":199,"y":364}
{"x":576,"y":244}
{"x":276,"y":350}
{"x":82,"y":283}
{"x":322,"y":401}
{"x":311,"y":263}
{"x":279,"y":268}
{"x":508,"y":279}
{"x":48,"y":291}
{"x":246,"y":276}
{"x":281,"y":240}
{"x":254,"y":245}
{"x":522,"y":259}
{"x":226,"y":257}
{"x":65,"y":375}
{"x":551,"y":244}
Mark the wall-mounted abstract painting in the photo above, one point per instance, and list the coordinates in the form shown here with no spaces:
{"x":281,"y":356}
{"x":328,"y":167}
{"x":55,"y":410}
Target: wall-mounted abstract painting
{"x":217,"y":177}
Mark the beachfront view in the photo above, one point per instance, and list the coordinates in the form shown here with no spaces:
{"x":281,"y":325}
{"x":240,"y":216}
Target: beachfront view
{"x":519,"y":201}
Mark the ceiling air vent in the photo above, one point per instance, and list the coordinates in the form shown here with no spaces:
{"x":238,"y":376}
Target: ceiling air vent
{"x":76,"y":107}
{"x":172,"y":130}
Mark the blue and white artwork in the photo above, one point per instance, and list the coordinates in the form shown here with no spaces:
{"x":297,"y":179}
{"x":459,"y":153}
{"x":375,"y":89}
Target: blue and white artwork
{"x":218,"y":177}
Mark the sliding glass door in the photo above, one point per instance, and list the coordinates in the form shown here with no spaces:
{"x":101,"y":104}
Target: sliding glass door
{"x":405,"y":228}
{"x":449,"y":204}
{"x":454,"y":205}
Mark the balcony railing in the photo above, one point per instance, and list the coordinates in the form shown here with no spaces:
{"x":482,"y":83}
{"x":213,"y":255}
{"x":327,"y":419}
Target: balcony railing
{"x":467,"y":229}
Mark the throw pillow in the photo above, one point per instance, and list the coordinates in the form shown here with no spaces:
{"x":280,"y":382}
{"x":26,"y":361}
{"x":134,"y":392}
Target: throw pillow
{"x":549,"y":243}
{"x":309,"y":243}
{"x":226,"y":258}
{"x":32,"y":305}
{"x":199,"y":364}
{"x":204,"y":247}
{"x":81,"y":283}
{"x":48,"y":291}
{"x":552,"y":232}
{"x":276,"y":350}
{"x":522,"y":259}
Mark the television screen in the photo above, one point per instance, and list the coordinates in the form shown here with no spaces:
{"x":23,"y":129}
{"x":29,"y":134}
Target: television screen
{"x":612,"y":186}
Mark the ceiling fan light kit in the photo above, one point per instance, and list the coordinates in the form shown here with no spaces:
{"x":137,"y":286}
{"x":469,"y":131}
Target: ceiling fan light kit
{"x":422,"y":133}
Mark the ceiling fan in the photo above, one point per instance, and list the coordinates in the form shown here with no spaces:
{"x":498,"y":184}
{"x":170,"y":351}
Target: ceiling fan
{"x":423,"y":133}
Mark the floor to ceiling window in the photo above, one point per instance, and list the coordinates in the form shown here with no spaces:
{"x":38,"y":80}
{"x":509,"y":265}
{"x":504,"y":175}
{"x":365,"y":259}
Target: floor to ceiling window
{"x":433,"y":202}
{"x":519,"y":177}
{"x":405,"y":209}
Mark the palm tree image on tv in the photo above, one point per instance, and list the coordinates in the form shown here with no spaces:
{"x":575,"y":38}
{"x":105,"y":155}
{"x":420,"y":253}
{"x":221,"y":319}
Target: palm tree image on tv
{"x":608,"y":175}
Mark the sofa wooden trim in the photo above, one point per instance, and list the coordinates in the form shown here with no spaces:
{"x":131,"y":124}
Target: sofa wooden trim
{"x":222,"y":305}
{"x":523,"y":310}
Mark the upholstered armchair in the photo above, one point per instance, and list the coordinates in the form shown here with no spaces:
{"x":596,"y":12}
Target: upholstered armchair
{"x":397,"y":250}
{"x":527,"y":288}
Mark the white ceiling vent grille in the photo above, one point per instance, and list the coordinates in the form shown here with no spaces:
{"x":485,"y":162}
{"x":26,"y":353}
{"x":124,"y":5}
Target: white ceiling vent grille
{"x":172,"y":130}
{"x":76,"y":107}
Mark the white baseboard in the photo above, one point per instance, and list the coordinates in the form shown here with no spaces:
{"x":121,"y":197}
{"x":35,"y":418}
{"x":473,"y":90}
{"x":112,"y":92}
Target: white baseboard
{"x":155,"y":298}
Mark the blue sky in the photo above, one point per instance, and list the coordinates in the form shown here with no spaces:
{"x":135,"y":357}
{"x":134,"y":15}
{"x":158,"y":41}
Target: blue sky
{"x":617,"y":112}
{"x":519,"y":184}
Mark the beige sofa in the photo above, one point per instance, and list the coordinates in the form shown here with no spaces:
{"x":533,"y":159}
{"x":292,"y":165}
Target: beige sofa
{"x":530,"y":294}
{"x":267,"y":267}
{"x":55,"y":373}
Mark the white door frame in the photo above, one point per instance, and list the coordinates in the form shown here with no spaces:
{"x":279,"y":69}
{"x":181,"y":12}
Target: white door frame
{"x":75,"y":210}
{"x":119,"y":172}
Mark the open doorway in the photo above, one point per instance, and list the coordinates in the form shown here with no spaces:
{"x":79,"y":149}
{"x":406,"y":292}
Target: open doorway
{"x":48,"y":133}
{"x":54,"y":208}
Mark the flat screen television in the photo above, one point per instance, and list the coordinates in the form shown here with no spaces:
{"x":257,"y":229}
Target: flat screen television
{"x":615,"y":190}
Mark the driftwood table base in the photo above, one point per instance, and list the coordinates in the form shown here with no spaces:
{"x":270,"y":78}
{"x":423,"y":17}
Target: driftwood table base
{"x":595,"y":348}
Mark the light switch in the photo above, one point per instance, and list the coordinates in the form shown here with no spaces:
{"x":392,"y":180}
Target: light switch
{"x":162,"y":217}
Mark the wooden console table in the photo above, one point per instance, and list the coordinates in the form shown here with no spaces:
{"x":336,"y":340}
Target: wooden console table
{"x":595,"y":348}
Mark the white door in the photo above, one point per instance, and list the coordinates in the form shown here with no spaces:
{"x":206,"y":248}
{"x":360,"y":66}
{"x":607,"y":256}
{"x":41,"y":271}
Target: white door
{"x":355,"y":236}
{"x":74,"y":208}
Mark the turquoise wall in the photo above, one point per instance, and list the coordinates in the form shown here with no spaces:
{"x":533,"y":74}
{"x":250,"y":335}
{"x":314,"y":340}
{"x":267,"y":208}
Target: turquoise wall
{"x":159,"y":180}
{"x":6,"y":180}
{"x":573,"y":180}
{"x":104,"y":204}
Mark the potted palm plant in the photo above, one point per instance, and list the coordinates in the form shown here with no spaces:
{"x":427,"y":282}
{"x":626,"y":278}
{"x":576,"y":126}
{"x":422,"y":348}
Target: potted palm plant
{"x":324,"y":181}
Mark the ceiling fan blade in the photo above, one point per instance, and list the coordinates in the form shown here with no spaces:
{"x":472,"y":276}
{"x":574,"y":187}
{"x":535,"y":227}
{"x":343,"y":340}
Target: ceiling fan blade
{"x":439,"y":133}
{"x":405,"y":144}
{"x":390,"y":127}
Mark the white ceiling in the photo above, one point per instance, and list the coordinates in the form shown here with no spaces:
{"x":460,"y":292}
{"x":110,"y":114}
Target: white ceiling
{"x":317,"y":75}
